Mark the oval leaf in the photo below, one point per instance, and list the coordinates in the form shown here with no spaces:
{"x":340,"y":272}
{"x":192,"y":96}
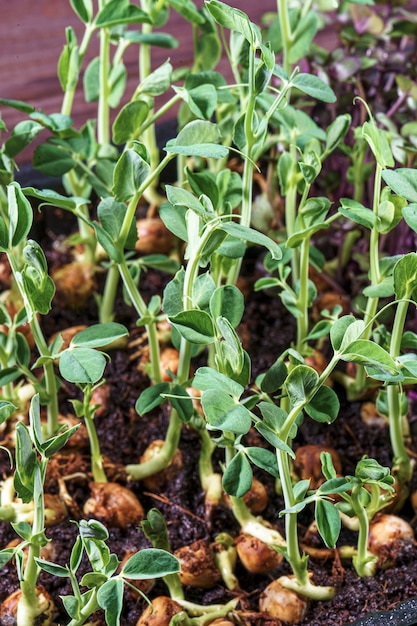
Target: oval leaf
{"x":150,"y":563}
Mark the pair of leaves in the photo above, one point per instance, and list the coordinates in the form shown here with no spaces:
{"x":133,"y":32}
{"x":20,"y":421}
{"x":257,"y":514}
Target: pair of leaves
{"x":82,"y":363}
{"x":20,"y":216}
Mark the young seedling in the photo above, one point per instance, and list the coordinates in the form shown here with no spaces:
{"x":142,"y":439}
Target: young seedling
{"x":155,"y":529}
{"x":105,"y":585}
{"x":33,"y":452}
{"x":35,"y":286}
{"x":361,"y":497}
{"x":307,"y":393}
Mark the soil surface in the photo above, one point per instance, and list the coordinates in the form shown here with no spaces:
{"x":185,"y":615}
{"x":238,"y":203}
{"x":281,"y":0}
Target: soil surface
{"x":266,"y":330}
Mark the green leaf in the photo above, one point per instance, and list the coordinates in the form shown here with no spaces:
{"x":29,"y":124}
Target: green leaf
{"x":150,"y":563}
{"x":50,"y":197}
{"x":158,"y":81}
{"x":118,"y":12}
{"x":195,"y":326}
{"x":274,"y":378}
{"x":188,"y":10}
{"x":174,"y":219}
{"x":112,"y":215}
{"x":92,"y":529}
{"x":369,"y":470}
{"x":263,"y":458}
{"x":99,"y":335}
{"x":151,"y":397}
{"x":172,"y":301}
{"x":384,"y":289}
{"x":234,"y":19}
{"x":130,"y":172}
{"x":405,"y":277}
{"x":53,"y":568}
{"x":334,"y":485}
{"x":181,"y":402}
{"x":324,"y":406}
{"x":161,"y":40}
{"x":82,"y":365}
{"x":52,"y":160}
{"x":24,"y":107}
{"x":129,"y":120}
{"x":403,"y":181}
{"x":91,"y":80}
{"x":300,"y":383}
{"x":345,"y":330}
{"x":5,"y":556}
{"x":40,"y":290}
{"x":237,"y":477}
{"x":303,"y":35}
{"x":370,"y":354}
{"x":231,"y":348}
{"x":378,"y":142}
{"x":358,"y":213}
{"x":182,"y":197}
{"x":295,"y":240}
{"x":202,"y":100}
{"x":228,"y":302}
{"x":198,"y":138}
{"x":314,"y":87}
{"x":20,"y":214}
{"x":410,"y":216}
{"x":93,"y":579}
{"x":336,"y":132}
{"x":21,"y":136}
{"x":73,"y":605}
{"x":208,"y":378}
{"x":110,"y":598}
{"x":6,"y":410}
{"x":202,"y":292}
{"x":253,"y":236}
{"x":68,"y":69}
{"x":224,"y":413}
{"x":53,"y":445}
{"x":84,"y":9}
{"x":328,"y":522}
{"x":26,"y":463}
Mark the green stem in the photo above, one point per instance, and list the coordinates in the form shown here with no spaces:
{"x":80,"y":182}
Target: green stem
{"x":364,"y":561}
{"x":50,"y":379}
{"x":99,"y":475}
{"x":141,"y":309}
{"x":42,"y":346}
{"x":110,"y":288}
{"x":375,"y":278}
{"x":302,"y":304}
{"x":148,"y":133}
{"x":161,"y":460}
{"x":247,"y":183}
{"x":286,"y":35}
{"x":251,"y":525}
{"x":298,"y":563}
{"x":291,"y":214}
{"x":175,"y":587}
{"x":103,"y":117}
{"x":106,"y":308}
{"x":401,"y":459}
{"x":69,"y":94}
{"x":29,"y":605}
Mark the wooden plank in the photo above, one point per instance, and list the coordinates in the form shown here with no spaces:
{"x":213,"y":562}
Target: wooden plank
{"x":33,"y":35}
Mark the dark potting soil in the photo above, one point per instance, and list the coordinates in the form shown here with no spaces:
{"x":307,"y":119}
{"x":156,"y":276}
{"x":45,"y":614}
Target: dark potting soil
{"x":266,"y":330}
